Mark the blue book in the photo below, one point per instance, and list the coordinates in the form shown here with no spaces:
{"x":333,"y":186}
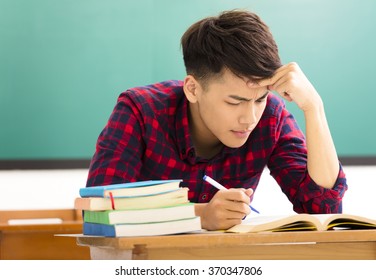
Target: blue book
{"x":146,"y":229}
{"x":140,"y":188}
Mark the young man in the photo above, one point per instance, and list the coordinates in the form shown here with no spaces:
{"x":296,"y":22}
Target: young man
{"x":223,"y":121}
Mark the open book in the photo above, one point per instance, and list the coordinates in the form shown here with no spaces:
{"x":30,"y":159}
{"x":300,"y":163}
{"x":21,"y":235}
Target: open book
{"x":319,"y":222}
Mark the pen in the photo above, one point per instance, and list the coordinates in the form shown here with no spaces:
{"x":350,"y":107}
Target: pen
{"x":217,"y":185}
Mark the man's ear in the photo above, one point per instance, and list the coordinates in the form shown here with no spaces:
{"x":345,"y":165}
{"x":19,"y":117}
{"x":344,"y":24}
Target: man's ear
{"x":191,"y":88}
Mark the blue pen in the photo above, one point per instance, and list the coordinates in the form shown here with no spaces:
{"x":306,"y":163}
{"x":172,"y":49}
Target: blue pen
{"x":217,"y":185}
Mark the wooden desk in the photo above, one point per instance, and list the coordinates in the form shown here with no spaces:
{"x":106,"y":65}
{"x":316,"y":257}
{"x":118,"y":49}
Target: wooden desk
{"x":307,"y":245}
{"x":39,"y":241}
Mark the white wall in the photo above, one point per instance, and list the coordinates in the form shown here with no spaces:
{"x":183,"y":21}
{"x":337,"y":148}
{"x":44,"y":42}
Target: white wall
{"x":53,"y":189}
{"x":42,"y":189}
{"x":358,"y":200}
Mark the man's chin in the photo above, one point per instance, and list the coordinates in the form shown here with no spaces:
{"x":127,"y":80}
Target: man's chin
{"x":235,"y":145}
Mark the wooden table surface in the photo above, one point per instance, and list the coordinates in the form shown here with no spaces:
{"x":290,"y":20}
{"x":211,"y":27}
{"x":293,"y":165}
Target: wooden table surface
{"x":345,"y":244}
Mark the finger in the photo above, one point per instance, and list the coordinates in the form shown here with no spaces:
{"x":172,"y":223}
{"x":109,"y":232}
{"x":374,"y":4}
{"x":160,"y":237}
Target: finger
{"x":283,"y":89}
{"x":237,"y":195}
{"x":266,"y":82}
{"x":236,"y":215}
{"x":236,"y":209}
{"x":278,"y":74}
{"x":248,"y":192}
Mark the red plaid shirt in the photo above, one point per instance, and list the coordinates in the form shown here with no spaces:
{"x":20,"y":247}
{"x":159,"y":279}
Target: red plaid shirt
{"x":147,"y":137}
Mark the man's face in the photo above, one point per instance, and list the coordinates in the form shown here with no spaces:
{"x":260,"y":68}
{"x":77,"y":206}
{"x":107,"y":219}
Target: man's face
{"x":227,"y":110}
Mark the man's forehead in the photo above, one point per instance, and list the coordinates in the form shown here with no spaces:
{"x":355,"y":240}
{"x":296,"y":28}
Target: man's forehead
{"x":226,"y":75}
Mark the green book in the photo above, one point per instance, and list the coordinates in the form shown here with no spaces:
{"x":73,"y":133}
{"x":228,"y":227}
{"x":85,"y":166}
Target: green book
{"x":148,"y":229}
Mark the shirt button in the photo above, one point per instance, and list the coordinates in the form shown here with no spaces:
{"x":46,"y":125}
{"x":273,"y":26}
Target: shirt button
{"x":204,"y":196}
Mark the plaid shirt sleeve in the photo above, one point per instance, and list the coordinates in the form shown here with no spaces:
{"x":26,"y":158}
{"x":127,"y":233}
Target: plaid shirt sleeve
{"x":112,"y":163}
{"x":288,"y":165}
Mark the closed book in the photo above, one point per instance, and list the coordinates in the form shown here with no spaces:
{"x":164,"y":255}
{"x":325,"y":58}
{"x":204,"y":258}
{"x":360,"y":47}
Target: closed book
{"x":148,"y":229}
{"x":139,"y":188}
{"x":169,"y":213}
{"x":140,"y":202}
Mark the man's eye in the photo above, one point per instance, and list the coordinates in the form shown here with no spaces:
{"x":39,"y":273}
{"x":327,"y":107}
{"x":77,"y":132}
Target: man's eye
{"x":261,"y":100}
{"x":233,"y":104}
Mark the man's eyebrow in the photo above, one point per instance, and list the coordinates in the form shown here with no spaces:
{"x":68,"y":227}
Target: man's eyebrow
{"x":239,"y":98}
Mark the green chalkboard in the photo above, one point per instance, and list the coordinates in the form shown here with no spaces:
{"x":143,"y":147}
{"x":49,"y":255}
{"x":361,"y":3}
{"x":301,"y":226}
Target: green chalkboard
{"x":63,"y":64}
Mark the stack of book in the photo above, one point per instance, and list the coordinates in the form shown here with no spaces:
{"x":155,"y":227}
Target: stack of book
{"x":142,"y":208}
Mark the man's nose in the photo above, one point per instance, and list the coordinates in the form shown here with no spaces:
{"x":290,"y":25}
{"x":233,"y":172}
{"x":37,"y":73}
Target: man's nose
{"x":248,"y":115}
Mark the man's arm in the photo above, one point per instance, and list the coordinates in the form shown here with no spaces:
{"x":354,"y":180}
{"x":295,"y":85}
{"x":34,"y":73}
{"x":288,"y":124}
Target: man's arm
{"x":322,"y":161}
{"x":119,"y":148}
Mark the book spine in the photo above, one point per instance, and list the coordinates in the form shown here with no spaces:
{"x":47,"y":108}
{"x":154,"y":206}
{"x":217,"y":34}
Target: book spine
{"x":91,"y":192}
{"x":98,"y":229}
{"x":99,"y":217}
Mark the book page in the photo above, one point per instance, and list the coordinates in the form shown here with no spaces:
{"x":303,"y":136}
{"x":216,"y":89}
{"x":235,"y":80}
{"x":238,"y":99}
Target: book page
{"x":276,"y":223}
{"x":258,"y":220}
{"x":345,"y":221}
